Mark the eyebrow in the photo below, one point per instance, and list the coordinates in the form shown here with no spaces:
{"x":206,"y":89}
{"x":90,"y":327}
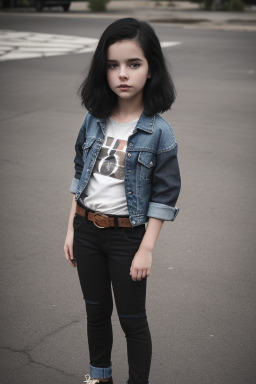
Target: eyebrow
{"x":129,"y":60}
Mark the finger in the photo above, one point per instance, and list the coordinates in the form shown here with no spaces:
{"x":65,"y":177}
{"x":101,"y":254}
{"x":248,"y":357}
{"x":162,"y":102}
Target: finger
{"x":134,"y":274}
{"x":69,"y":256}
{"x":139,"y":275}
{"x":71,"y":253}
{"x":72,"y":258}
{"x":73,"y":261}
{"x":66,"y":251}
{"x":144,"y":274}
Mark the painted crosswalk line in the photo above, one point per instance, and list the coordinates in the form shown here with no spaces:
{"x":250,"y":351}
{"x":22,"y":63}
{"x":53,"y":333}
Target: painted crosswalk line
{"x":15,"y":45}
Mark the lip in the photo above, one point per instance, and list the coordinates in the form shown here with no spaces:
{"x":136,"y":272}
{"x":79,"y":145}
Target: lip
{"x":124,"y":86}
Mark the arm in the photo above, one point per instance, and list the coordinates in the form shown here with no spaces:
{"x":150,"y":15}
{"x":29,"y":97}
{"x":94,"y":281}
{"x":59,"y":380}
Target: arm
{"x":68,"y":245}
{"x":141,"y":264}
{"x":165,"y":191}
{"x":165,"y":186}
{"x":78,"y":158}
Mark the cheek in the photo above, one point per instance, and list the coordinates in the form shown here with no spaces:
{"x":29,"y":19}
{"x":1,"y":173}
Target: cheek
{"x":109,"y":76}
{"x":141,"y":78}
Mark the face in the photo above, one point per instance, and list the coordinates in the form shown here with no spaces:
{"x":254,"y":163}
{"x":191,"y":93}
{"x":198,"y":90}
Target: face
{"x":127,"y":69}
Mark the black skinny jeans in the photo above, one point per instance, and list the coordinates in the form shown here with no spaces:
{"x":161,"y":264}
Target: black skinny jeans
{"x":104,"y":257}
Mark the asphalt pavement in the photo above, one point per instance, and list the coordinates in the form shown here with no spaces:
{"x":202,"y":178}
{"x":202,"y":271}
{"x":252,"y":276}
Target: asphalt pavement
{"x":201,"y":292}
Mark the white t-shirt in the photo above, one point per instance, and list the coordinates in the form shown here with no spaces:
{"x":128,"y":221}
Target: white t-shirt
{"x":105,"y":191}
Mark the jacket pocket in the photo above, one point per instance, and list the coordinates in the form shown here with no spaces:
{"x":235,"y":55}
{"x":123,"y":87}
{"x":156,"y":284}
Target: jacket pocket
{"x":86,"y":146}
{"x":147,"y":162}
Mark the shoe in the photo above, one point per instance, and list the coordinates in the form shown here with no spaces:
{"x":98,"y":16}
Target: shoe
{"x":88,"y":380}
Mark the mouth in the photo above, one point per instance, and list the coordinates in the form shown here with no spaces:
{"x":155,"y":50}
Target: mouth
{"x":124,"y":86}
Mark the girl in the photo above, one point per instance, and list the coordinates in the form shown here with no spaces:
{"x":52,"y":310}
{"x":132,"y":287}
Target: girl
{"x":126,"y":175}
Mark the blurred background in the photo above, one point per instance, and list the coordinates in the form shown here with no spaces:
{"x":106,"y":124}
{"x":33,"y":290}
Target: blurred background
{"x":102,"y":5}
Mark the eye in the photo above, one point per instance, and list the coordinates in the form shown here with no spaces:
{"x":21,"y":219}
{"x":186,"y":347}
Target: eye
{"x":112,"y":66}
{"x":135,"y":65}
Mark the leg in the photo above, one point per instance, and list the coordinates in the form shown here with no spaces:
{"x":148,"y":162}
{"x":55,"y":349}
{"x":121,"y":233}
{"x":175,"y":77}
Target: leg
{"x":92,"y":266}
{"x":130,"y":300}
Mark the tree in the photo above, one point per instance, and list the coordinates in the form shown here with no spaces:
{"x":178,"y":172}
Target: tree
{"x":98,"y":5}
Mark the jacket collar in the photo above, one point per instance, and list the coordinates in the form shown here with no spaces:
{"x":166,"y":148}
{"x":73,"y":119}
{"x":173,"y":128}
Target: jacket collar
{"x":145,"y":123}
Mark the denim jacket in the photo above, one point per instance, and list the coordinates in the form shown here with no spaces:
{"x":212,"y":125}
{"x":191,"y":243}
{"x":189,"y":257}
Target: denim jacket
{"x":152,"y":177}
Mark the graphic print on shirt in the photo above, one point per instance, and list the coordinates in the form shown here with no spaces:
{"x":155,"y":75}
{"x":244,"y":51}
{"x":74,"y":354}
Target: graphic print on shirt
{"x":111,"y":158}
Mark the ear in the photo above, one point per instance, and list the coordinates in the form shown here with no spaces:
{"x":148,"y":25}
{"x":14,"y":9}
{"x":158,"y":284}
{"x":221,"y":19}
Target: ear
{"x":149,"y":75}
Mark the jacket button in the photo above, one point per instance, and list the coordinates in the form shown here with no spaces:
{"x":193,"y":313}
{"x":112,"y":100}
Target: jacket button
{"x":133,"y":222}
{"x":131,"y":144}
{"x":129,"y":193}
{"x":129,"y":154}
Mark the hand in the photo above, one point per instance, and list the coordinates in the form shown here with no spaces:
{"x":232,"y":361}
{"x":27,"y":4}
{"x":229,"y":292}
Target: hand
{"x":68,"y":248}
{"x":141,"y":265}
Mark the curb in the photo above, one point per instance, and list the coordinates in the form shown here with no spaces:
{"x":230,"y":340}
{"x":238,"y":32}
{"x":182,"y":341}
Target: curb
{"x":184,"y":15}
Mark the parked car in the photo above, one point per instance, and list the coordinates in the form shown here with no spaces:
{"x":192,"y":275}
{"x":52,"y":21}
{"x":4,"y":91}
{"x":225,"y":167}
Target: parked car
{"x":40,"y":4}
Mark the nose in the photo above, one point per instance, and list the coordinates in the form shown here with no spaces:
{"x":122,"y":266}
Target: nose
{"x":123,"y":73}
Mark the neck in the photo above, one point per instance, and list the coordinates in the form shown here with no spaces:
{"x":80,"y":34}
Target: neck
{"x":126,"y":110}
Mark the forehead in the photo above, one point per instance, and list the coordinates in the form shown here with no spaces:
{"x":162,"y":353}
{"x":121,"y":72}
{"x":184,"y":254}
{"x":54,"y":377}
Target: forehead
{"x":124,"y":50}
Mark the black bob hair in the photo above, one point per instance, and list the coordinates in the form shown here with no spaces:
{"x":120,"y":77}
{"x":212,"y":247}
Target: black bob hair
{"x":159,"y":91}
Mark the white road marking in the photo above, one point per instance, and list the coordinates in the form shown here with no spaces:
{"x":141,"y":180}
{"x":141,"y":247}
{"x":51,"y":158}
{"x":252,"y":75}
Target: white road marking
{"x":167,"y":44}
{"x":16,"y":45}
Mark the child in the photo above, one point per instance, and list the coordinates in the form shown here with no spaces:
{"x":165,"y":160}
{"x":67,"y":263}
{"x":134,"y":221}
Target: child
{"x":126,"y":175}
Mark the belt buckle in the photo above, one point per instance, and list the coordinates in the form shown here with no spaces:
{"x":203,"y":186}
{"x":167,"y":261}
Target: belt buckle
{"x":95,"y":214}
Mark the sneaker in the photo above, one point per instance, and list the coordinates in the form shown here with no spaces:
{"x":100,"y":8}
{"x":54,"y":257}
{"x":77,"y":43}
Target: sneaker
{"x":88,"y":380}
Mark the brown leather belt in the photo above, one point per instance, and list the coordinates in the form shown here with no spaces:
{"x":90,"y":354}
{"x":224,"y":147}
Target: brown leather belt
{"x":101,"y":220}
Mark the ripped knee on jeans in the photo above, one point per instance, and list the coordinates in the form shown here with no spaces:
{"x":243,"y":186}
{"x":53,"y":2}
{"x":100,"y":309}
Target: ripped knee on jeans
{"x":93,"y":302}
{"x":135,"y":316}
{"x":134,"y":323}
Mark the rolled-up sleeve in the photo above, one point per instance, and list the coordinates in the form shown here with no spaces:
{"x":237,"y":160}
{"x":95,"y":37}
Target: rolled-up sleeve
{"x":165,"y":186}
{"x":74,"y":185}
